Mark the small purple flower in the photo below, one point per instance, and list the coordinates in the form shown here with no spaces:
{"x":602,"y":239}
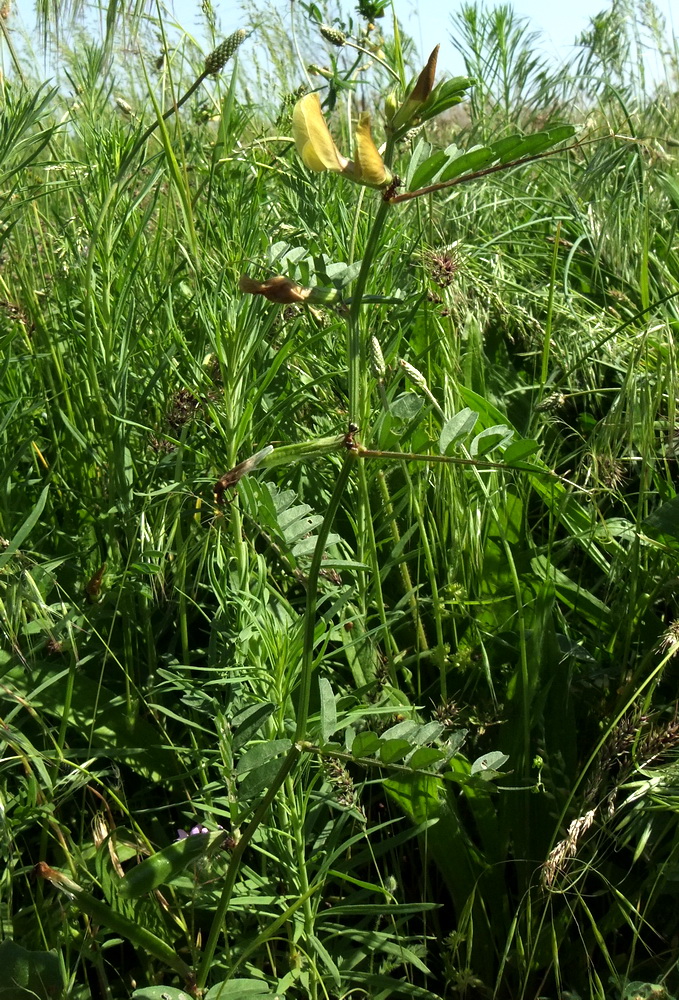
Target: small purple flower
{"x":198,"y":828}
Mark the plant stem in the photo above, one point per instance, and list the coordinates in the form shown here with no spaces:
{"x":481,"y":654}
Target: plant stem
{"x":236,"y":860}
{"x":356,"y":342}
{"x":312,"y":598}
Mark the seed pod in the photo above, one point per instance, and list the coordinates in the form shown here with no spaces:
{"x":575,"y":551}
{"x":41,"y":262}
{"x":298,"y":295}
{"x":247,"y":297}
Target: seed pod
{"x":333,"y":35}
{"x":165,"y":866}
{"x":221,"y":55}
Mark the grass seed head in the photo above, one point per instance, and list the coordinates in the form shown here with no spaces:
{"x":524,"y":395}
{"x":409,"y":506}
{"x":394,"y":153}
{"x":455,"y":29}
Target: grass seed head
{"x":377,"y":358}
{"x":333,"y":35}
{"x":219,"y":57}
{"x":412,"y":373}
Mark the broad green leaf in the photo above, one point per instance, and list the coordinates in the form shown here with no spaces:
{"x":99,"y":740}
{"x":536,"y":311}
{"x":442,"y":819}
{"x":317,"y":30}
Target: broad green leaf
{"x":490,"y":438}
{"x":489,"y":762}
{"x":259,"y":778}
{"x":504,"y":149}
{"x":418,"y":156}
{"x":328,"y":709}
{"x":160,"y":993}
{"x":239,"y":989}
{"x":249,"y":722}
{"x":664,"y":520}
{"x":446,"y":95}
{"x":457,"y":428}
{"x":427,"y":733}
{"x":473,"y":159}
{"x":424,"y":756}
{"x":302,"y":527}
{"x":516,"y":147}
{"x":401,"y":730}
{"x":518,"y":450}
{"x":292,"y":515}
{"x":350,"y":274}
{"x":392,"y":751}
{"x":307,"y":546}
{"x":427,"y":171}
{"x":30,"y":975}
{"x":365,"y":744}
{"x":260,"y":754}
{"x":406,"y":406}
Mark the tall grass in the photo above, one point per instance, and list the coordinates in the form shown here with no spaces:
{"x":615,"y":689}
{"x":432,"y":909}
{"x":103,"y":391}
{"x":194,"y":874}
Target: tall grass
{"x":420,"y":713}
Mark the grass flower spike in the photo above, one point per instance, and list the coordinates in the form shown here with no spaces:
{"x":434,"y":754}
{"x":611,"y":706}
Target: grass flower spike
{"x":318,"y":151}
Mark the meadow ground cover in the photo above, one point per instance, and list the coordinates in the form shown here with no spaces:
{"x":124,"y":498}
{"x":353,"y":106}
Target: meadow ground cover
{"x":338,"y":571}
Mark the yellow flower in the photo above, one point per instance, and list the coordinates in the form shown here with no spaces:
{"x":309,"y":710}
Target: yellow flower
{"x":369,"y":165}
{"x":318,"y":151}
{"x":312,"y":137}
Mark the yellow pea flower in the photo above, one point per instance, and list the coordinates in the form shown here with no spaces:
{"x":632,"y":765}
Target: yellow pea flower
{"x":369,"y":165}
{"x":318,"y":151}
{"x":312,"y":137}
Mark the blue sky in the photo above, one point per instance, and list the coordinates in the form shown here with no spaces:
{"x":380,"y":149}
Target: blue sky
{"x":428,"y":21}
{"x":559,"y":22}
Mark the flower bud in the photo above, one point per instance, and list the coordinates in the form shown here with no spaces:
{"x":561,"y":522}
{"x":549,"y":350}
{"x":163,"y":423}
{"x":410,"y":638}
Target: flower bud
{"x":390,"y":105}
{"x":369,"y":165}
{"x":418,"y":95}
{"x":279,"y":289}
{"x":377,"y":358}
{"x":415,"y":376}
{"x":312,"y":137}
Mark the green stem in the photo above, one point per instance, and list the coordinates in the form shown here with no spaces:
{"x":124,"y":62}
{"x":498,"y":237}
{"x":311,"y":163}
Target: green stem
{"x":391,"y":646}
{"x":312,"y":598}
{"x":408,"y":588}
{"x":299,"y":842}
{"x":235,"y":863}
{"x":544,"y":369}
{"x":356,"y":342}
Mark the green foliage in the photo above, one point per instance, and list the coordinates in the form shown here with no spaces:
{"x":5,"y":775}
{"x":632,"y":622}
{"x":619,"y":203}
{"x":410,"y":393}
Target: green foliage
{"x":25,"y":974}
{"x":411,"y":686}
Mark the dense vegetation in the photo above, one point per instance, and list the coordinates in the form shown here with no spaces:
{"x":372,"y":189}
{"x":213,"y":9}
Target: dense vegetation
{"x":409,"y":688}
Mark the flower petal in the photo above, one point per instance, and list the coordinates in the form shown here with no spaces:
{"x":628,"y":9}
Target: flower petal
{"x":312,"y":137}
{"x":369,"y":166}
{"x":279,"y":289}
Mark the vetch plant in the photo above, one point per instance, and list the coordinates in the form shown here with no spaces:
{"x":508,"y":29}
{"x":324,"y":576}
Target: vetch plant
{"x":270,"y":662}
